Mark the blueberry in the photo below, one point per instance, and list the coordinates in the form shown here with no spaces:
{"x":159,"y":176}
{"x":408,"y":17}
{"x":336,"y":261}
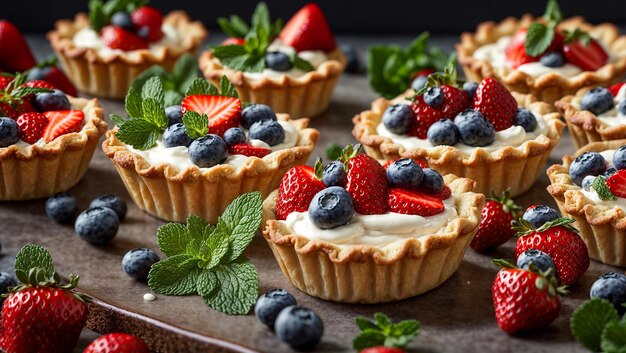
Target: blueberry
{"x":619,"y":157}
{"x":331,"y":208}
{"x":470,"y":88}
{"x":353,"y":65}
{"x":434,"y":96}
{"x":587,"y":182}
{"x":334,"y":174}
{"x":609,"y":172}
{"x":419,"y":83}
{"x":176,"y":135}
{"x":144,"y":32}
{"x":62,"y":208}
{"x":598,"y":100}
{"x":278,"y":61}
{"x":540,"y":214}
{"x":539,"y":258}
{"x":588,"y":163}
{"x":432,"y":182}
{"x":38,"y":73}
{"x":270,"y":304}
{"x":137,"y":263}
{"x":55,"y":100}
{"x":299,"y":327}
{"x":9,"y":132}
{"x":256,"y":112}
{"x":405,"y":173}
{"x":268,"y":131}
{"x":97,"y":225}
{"x":6,"y":280}
{"x":443,"y":132}
{"x":208,"y":151}
{"x":526,"y":119}
{"x":113,"y":202}
{"x":235,"y":136}
{"x":612,"y":287}
{"x":122,"y":19}
{"x":474,"y":129}
{"x":174,"y":114}
{"x":622,"y":108}
{"x":552,"y":59}
{"x":398,"y":118}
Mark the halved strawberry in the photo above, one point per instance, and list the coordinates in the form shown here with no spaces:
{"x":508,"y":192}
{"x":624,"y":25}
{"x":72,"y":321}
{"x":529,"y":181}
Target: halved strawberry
{"x":614,"y":89}
{"x":62,"y":122}
{"x":414,"y":203}
{"x":296,"y":190}
{"x":39,"y":84}
{"x":118,"y":38}
{"x":588,"y":57}
{"x":308,"y":30}
{"x":515,"y":52}
{"x":150,"y":20}
{"x":445,"y":193}
{"x":617,"y":183}
{"x":234,"y":41}
{"x":223,"y":112}
{"x":496,"y":103}
{"x":32,"y":126}
{"x":249,"y":150}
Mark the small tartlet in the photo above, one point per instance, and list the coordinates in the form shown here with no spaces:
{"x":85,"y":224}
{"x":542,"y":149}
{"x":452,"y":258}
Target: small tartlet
{"x":548,"y":87}
{"x":508,"y":168}
{"x":111,"y":76}
{"x":602,"y":228}
{"x":369,"y":274}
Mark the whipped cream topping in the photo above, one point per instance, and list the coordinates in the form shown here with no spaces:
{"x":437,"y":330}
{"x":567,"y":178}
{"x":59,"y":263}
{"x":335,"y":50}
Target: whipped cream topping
{"x":375,"y":230}
{"x":593,"y":196}
{"x":613,"y":117}
{"x":314,"y":57}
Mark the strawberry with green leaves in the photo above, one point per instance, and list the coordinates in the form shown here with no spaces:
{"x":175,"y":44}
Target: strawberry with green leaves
{"x":383,"y":336}
{"x":14,"y":97}
{"x":495,"y":226}
{"x":296,"y":190}
{"x":496,"y":103}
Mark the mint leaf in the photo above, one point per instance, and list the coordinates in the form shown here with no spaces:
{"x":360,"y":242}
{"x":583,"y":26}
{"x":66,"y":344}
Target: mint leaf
{"x":382,"y":332}
{"x":553,"y":14}
{"x":201,"y":86}
{"x":184,"y":72}
{"x":217,"y":244}
{"x":261,"y":17}
{"x":176,"y":275}
{"x":172,"y":239}
{"x":153,"y":88}
{"x":242,"y":218}
{"x":139,"y":133}
{"x":227,"y":89}
{"x":538,"y":38}
{"x":207,"y":283}
{"x":614,"y":338}
{"x":333,"y":151}
{"x":237,"y":58}
{"x":117,"y":120}
{"x":382,"y":321}
{"x":402,"y":333}
{"x":97,"y":17}
{"x":589,"y":320}
{"x":603,"y":191}
{"x":196,"y":226}
{"x":368,"y":338}
{"x":363,"y":323}
{"x":301,"y":64}
{"x":152,"y":71}
{"x":34,"y":256}
{"x":133,"y":103}
{"x":196,"y":125}
{"x":234,"y":26}
{"x":154,"y":112}
{"x":238,"y":288}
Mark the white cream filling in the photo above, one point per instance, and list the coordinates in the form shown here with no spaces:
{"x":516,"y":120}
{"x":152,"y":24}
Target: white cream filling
{"x":314,"y":57}
{"x":593,"y":196}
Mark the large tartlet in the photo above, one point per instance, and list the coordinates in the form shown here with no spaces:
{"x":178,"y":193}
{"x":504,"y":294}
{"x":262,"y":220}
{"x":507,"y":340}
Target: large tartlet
{"x":548,"y":87}
{"x":507,"y":168}
{"x":371,"y":274}
{"x":44,"y":169}
{"x":173,"y":194}
{"x":110,"y":76}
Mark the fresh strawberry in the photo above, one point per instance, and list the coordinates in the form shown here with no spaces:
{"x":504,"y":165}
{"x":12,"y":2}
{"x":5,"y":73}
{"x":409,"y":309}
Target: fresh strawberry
{"x":25,"y":107}
{"x":420,"y":163}
{"x":524,"y":300}
{"x":296,"y":190}
{"x":117,"y":343}
{"x":367,"y":184}
{"x":455,"y":101}
{"x":6,"y":110}
{"x":223,"y":112}
{"x":5,"y":80}
{"x":234,"y":41}
{"x":445,"y":193}
{"x":589,"y":57}
{"x":53,"y":75}
{"x":150,"y":20}
{"x":308,"y":30}
{"x":39,"y":84}
{"x":63,"y":122}
{"x":515,"y":52}
{"x":617,"y":183}
{"x":414,"y":203}
{"x":382,"y":349}
{"x":118,"y":38}
{"x":614,"y":89}
{"x":561,"y":242}
{"x":495,"y":227}
{"x":249,"y":150}
{"x":16,"y":56}
{"x":32,"y":126}
{"x":496,"y":104}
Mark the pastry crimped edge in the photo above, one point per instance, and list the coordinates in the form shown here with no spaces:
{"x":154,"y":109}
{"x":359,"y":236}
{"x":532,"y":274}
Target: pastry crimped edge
{"x":308,"y":95}
{"x":583,"y":125}
{"x":508,"y":168}
{"x":172,"y":194}
{"x":370,"y":274}
{"x":111,"y":76}
{"x":602,"y":228}
{"x":549,"y":87}
{"x":43,"y":170}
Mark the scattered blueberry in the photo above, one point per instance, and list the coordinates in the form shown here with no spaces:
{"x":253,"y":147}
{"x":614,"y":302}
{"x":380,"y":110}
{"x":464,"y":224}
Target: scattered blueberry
{"x":540,"y":214}
{"x":588,"y":163}
{"x":619,"y":157}
{"x":474,"y":129}
{"x":587,"y":182}
{"x":432,"y":182}
{"x":256,"y":112}
{"x":9,"y":132}
{"x":434,"y":96}
{"x":470,"y":88}
{"x":334,"y":174}
{"x":270,"y":304}
{"x":38,"y":73}
{"x":122,"y":19}
{"x":176,"y":135}
{"x":268,"y":131}
{"x":526,"y":119}
{"x":208,"y":151}
{"x":405,"y":173}
{"x":622,"y":108}
{"x":610,"y":171}
{"x":354,"y":62}
{"x":398,"y":118}
{"x":598,"y":100}
{"x":552,"y":59}
{"x":612,"y":287}
{"x":235,"y":136}
{"x":6,"y":280}
{"x":144,"y":32}
{"x":540,"y":259}
{"x":278,"y":61}
{"x":113,"y":202}
{"x":62,"y":208}
{"x":443,"y":132}
{"x":137,"y":263}
{"x":331,"y":208}
{"x":419,"y":83}
{"x":97,"y":225}
{"x":55,"y":100}
{"x":174,"y":114}
{"x":299,"y":327}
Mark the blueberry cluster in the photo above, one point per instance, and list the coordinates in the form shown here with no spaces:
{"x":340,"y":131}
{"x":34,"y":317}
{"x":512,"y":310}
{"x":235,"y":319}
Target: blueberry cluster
{"x":586,"y":167}
{"x":405,"y":173}
{"x":299,"y":327}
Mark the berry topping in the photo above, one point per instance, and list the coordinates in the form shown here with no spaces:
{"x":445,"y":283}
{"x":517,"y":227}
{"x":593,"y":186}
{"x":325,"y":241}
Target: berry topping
{"x":614,"y":89}
{"x":445,"y":193}
{"x":256,"y":112}
{"x":538,"y":215}
{"x":296,"y":190}
{"x":470,"y":88}
{"x":414,"y":203}
{"x":432,"y":182}
{"x":16,"y":54}
{"x":433,"y":96}
{"x":495,"y":226}
{"x":223,"y":112}
{"x":147,"y":21}
{"x":495,"y":103}
{"x":419,"y":83}
{"x":612,"y":287}
{"x":32,"y":126}
{"x":118,"y":38}
{"x":538,"y":258}
{"x":62,"y":208}
{"x":249,"y":150}
{"x":455,"y":100}
{"x":367,"y":183}
{"x":598,"y":100}
{"x":405,"y":173}
{"x":174,"y":114}
{"x":617,"y":183}
{"x":526,"y":119}
{"x":208,"y":151}
{"x":308,"y":30}
{"x":278,"y":61}
{"x":55,"y":100}
{"x":587,"y":54}
{"x":552,"y":59}
{"x":39,"y":84}
{"x":268,"y":131}
{"x":137,"y":263}
{"x":234,"y":41}
{"x":54,"y":76}
{"x":9,"y":132}
{"x":299,"y":327}
{"x":515,"y":52}
{"x":176,"y":135}
{"x":271,"y":303}
{"x":97,"y":225}
{"x":619,"y":158}
{"x":331,"y":208}
{"x":123,"y":20}
{"x":235,"y":136}
{"x":474,"y":129}
{"x":398,"y":118}
{"x":113,"y":202}
{"x":334,"y":174}
{"x":443,"y":132}
{"x":62,"y":122}
{"x":117,"y":343}
{"x":588,"y":163}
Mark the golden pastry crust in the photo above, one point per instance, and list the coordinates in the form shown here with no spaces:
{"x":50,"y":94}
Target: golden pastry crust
{"x":551,"y":86}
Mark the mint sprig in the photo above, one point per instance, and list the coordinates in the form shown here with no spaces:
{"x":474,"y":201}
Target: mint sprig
{"x":382,"y":332}
{"x":175,"y":82}
{"x":208,"y":260}
{"x":333,"y":151}
{"x":540,"y":35}
{"x":603,"y":191}
{"x":595,"y":324}
{"x":100,"y":12}
{"x":196,"y":125}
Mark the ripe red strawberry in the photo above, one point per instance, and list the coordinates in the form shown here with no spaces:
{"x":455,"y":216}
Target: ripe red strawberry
{"x":614,"y":89}
{"x":223,"y":112}
{"x":55,"y":77}
{"x":414,"y":203}
{"x":455,"y":101}
{"x":118,"y":38}
{"x":588,"y":57}
{"x":515,"y":52}
{"x":249,"y":150}
{"x":495,"y":227}
{"x":7,"y":110}
{"x":420,"y":163}
{"x":25,"y":107}
{"x":382,"y":349}
{"x":308,"y":30}
{"x":367,"y":184}
{"x":234,"y":41}
{"x":561,"y":242}
{"x":445,"y":193}
{"x":148,"y":18}
{"x":16,"y":56}
{"x":296,"y":190}
{"x":39,"y":84}
{"x":117,"y":343}
{"x":496,"y":103}
{"x":617,"y":183}
{"x":5,"y":80}
{"x":62,"y":122}
{"x":32,"y":126}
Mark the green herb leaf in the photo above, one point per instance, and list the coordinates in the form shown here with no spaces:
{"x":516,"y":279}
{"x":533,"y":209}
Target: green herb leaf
{"x":234,"y":26}
{"x":139,"y":133}
{"x":176,"y":275}
{"x":242,"y":219}
{"x":553,"y":14}
{"x":227,"y":89}
{"x":97,"y":17}
{"x":201,"y":86}
{"x":207,"y":283}
{"x":172,"y":98}
{"x":368,"y":338}
{"x":117,"y":120}
{"x":133,"y":103}
{"x":301,"y":64}
{"x":538,"y":38}
{"x":196,"y":125}
{"x":217,"y":244}
{"x":364,"y":323}
{"x":184,"y":72}
{"x":599,"y":185}
{"x":589,"y":320}
{"x":153,"y":89}
{"x":152,"y":71}
{"x":614,"y":337}
{"x":382,"y":331}
{"x":34,"y":256}
{"x":333,"y":151}
{"x":196,"y":226}
{"x":237,"y":58}
{"x":238,"y":288}
{"x":154,"y":112}
{"x":172,"y":239}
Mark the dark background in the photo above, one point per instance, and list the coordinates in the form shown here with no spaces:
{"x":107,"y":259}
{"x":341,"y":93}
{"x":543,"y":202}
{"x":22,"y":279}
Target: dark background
{"x":345,"y":16}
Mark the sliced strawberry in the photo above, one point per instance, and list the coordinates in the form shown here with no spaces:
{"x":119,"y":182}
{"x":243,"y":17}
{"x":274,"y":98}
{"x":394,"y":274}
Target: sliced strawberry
{"x":249,"y":150}
{"x":118,"y":38}
{"x":8,"y":111}
{"x":414,"y":203}
{"x":32,"y":126}
{"x":496,"y":103}
{"x":4,"y":81}
{"x":445,"y":193}
{"x":614,"y":89}
{"x":515,"y":52}
{"x":16,"y":56}
{"x":223,"y":112}
{"x":420,"y":163}
{"x":148,"y":19}
{"x":367,"y":184}
{"x":63,"y":122}
{"x":296,"y":190}
{"x":455,"y":101}
{"x":308,"y":30}
{"x":588,"y":57}
{"x":234,"y":41}
{"x":39,"y":84}
{"x":617,"y":183}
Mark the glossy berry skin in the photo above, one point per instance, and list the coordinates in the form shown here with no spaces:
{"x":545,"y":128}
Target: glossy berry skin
{"x":118,"y":38}
{"x":17,"y":55}
{"x":270,"y":304}
{"x":495,"y":103}
{"x":455,"y":101}
{"x":382,"y":349}
{"x":176,"y":135}
{"x":256,"y":112}
{"x":607,"y":173}
{"x":249,"y":150}
{"x":32,"y":126}
{"x":299,"y":327}
{"x":414,"y":203}
{"x":55,"y":100}
{"x":552,"y":59}
{"x":398,"y":118}
{"x":470,"y":88}
{"x":296,"y":190}
{"x":588,"y":56}
{"x":538,"y":258}
{"x":6,"y":280}
{"x":443,"y":133}
{"x":137,"y":263}
{"x":97,"y":226}
{"x":537,"y":215}
{"x":208,"y":151}
{"x":419,"y":83}
{"x":405,"y":173}
{"x":174,"y":114}
{"x":434,"y":96}
{"x":235,"y":136}
{"x":598,"y":100}
{"x":587,"y":182}
{"x":122,"y":19}
{"x":432,"y":183}
{"x":54,"y":77}
{"x":308,"y":29}
{"x":367,"y":183}
{"x":117,"y":204}
{"x":278,"y":61}
{"x":117,"y":343}
{"x":588,"y":163}
{"x":495,"y":226}
{"x":9,"y":132}
{"x":617,"y":183}
{"x":619,"y":157}
{"x":474,"y":129}
{"x":62,"y":208}
{"x":268,"y":131}
{"x":149,"y":20}
{"x":331,"y":208}
{"x":334,"y":174}
{"x":526,"y":119}
{"x":612,"y":287}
